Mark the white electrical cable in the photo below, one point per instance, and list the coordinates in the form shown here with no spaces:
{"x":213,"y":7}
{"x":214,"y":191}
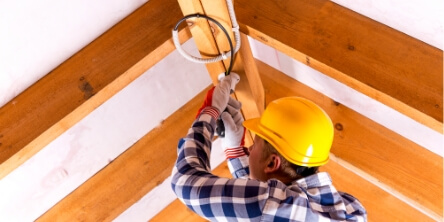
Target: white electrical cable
{"x":235,"y":29}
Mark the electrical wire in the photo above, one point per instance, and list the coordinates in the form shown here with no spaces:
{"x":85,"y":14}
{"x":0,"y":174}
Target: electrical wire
{"x":227,"y":72}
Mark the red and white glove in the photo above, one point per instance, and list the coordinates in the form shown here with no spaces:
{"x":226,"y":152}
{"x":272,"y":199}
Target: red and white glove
{"x":217,"y":97}
{"x":233,"y":142}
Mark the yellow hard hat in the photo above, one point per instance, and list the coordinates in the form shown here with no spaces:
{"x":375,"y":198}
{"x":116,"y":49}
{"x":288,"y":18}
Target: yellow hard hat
{"x":297,"y":128}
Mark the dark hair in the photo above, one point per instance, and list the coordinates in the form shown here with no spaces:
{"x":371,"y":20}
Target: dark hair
{"x":290,"y":169}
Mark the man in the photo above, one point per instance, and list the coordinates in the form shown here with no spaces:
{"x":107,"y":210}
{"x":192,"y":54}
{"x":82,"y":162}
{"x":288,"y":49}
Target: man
{"x":277,"y":179}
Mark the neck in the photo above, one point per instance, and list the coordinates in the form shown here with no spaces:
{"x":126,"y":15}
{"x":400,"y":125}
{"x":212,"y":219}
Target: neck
{"x":283,"y":178}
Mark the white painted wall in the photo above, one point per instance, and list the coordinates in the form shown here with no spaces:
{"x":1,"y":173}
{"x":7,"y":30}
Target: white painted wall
{"x":35,"y":37}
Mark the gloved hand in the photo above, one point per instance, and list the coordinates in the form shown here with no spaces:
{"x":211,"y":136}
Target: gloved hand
{"x":218,"y":96}
{"x":233,"y":142}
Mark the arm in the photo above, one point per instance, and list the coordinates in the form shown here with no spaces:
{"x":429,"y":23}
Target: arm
{"x":206,"y":194}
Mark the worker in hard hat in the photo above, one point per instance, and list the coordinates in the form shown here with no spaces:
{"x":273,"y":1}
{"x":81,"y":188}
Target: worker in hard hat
{"x":277,"y":179}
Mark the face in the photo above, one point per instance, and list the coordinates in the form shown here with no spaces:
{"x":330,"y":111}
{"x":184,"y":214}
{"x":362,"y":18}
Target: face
{"x":256,"y":160}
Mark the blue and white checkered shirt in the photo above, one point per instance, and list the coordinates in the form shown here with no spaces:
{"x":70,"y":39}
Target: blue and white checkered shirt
{"x":241,"y":199}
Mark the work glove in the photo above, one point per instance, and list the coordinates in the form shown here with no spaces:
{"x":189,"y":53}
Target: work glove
{"x":218,"y":96}
{"x":233,"y":142}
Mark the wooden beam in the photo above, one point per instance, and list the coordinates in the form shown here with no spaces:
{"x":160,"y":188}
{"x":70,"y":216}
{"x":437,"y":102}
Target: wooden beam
{"x":135,"y":172}
{"x":131,"y":175}
{"x":252,"y":74}
{"x":177,"y":211}
{"x":86,"y":80}
{"x":387,"y":65}
{"x":201,"y":30}
{"x":211,"y":41}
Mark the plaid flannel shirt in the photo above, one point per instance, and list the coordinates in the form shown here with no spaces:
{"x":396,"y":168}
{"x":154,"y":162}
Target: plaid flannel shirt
{"x":241,"y":199}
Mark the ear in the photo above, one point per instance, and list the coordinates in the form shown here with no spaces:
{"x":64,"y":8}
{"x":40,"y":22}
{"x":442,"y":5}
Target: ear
{"x":273,"y":163}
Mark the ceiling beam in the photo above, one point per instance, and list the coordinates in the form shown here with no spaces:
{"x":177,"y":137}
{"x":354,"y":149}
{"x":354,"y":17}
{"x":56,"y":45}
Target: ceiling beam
{"x":384,"y":64}
{"x":86,"y":80}
{"x":211,"y":42}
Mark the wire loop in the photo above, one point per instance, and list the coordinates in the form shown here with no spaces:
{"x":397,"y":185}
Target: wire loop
{"x":222,"y":56}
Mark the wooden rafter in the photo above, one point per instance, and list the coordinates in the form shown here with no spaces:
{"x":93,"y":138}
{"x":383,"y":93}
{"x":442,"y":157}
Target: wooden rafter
{"x":383,"y":63}
{"x":211,"y":41}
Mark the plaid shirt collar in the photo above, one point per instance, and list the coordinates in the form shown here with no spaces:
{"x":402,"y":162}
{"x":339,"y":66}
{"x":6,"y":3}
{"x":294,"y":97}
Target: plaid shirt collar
{"x":314,"y":181}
